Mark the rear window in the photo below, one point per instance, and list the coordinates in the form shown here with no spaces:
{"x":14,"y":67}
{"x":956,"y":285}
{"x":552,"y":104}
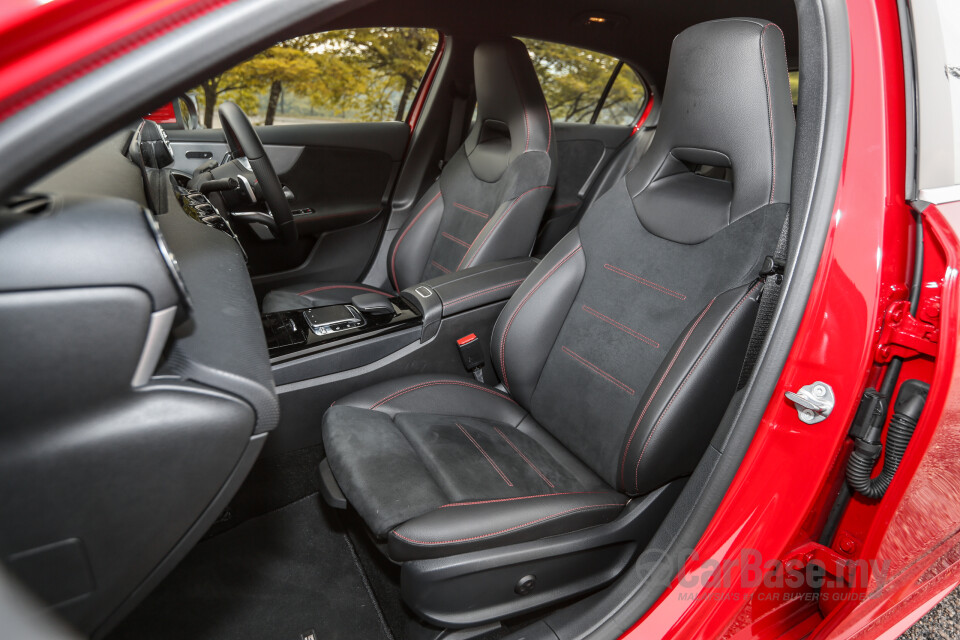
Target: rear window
{"x":585,"y":86}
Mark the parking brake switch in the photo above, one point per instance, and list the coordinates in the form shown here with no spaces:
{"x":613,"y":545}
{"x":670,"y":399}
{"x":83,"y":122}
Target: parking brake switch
{"x":472,"y":355}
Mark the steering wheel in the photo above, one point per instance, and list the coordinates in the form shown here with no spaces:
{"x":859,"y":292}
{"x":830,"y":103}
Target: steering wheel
{"x":244,"y":142}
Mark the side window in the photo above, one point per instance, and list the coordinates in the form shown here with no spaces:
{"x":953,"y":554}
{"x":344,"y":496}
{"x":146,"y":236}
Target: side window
{"x":626,"y":99}
{"x":575,"y":82}
{"x":351,"y":75}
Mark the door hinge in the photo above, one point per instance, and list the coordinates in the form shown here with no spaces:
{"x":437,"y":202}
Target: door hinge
{"x":819,"y":562}
{"x":904,"y":335}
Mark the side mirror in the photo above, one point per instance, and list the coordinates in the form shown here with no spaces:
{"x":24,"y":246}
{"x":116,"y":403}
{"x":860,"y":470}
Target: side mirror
{"x":185,"y":106}
{"x":181,"y":113}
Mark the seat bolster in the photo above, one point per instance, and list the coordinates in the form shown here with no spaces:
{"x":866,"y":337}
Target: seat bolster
{"x":440,"y":395}
{"x":377,"y":469}
{"x":471,"y":526}
{"x":688,"y":394}
{"x":304,"y":296}
{"x":410,"y":249}
{"x":529,"y":323}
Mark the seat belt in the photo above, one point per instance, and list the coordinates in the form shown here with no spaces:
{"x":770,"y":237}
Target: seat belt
{"x":771,"y":273}
{"x":455,"y":132}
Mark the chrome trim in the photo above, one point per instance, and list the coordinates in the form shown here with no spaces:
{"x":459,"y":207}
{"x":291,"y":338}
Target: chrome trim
{"x":161,"y":322}
{"x":246,"y":183}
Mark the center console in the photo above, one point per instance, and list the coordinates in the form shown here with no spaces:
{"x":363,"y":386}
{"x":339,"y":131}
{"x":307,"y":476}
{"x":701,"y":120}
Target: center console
{"x":321,"y":354}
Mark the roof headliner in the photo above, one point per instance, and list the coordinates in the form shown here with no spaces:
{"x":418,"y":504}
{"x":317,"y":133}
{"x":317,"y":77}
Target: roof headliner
{"x":642,"y":33}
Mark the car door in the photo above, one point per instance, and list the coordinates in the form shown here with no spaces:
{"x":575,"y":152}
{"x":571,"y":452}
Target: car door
{"x":335,"y":122}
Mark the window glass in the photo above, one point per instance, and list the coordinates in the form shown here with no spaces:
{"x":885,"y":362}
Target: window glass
{"x":794,"y":86}
{"x":573,"y":81}
{"x":626,"y":99}
{"x":351,"y":75}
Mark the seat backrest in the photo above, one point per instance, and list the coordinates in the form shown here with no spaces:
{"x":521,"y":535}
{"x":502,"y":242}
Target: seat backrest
{"x":490,"y":197}
{"x":627,"y":340}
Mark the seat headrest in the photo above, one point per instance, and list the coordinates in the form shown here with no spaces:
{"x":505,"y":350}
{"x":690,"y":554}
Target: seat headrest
{"x":724,"y":144}
{"x":512,"y":115}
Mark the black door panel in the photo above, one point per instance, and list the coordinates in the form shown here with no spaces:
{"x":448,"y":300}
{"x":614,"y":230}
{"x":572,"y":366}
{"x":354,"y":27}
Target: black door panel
{"x":584,"y":150}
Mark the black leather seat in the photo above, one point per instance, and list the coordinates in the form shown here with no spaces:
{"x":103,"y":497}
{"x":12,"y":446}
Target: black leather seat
{"x":489,"y":199}
{"x":618,"y":355}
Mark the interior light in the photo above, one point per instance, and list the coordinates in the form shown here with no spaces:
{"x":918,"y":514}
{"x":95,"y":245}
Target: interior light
{"x":596,"y":20}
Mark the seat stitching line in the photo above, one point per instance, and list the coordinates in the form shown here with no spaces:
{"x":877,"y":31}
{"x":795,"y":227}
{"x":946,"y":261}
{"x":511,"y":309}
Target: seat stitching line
{"x":484,"y":291}
{"x":644,"y":281}
{"x":525,"y":458}
{"x":422,"y":385}
{"x":773,"y":147}
{"x":439,"y":266}
{"x":622,"y":327}
{"x":460,"y":242}
{"x":471,"y":210}
{"x":626,"y":449}
{"x":393,"y":257}
{"x":600,"y":372}
{"x":509,"y":529}
{"x":495,"y":222}
{"x":506,"y":330}
{"x":485,"y":454}
{"x":703,"y":354}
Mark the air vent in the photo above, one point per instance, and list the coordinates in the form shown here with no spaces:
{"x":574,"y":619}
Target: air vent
{"x":29,"y":203}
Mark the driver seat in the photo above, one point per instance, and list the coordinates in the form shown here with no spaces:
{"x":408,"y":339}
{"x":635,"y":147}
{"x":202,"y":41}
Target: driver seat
{"x":618,"y":357}
{"x":489,"y":199}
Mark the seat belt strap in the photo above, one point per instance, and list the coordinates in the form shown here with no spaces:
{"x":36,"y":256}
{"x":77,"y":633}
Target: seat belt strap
{"x":455,"y":132}
{"x":771,"y":273}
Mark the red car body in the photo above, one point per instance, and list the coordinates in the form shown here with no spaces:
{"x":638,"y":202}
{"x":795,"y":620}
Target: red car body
{"x":789,"y":477}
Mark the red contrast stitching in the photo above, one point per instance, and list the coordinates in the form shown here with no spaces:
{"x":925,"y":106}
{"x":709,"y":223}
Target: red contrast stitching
{"x":600,"y":372}
{"x":439,"y":266}
{"x":644,"y":281}
{"x":636,"y":471}
{"x":393,"y":257}
{"x":525,"y":458}
{"x":539,"y":495}
{"x":423,"y":385}
{"x":489,"y":459}
{"x":460,"y":242}
{"x":626,"y":449}
{"x":509,"y":529}
{"x":484,"y":291}
{"x":496,"y":223}
{"x":470,"y":210}
{"x":503,"y":338}
{"x":766,"y":80}
{"x":624,"y":328}
{"x":343,"y":286}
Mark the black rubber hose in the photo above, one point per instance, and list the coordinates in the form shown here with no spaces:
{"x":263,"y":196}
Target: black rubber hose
{"x":865,"y":454}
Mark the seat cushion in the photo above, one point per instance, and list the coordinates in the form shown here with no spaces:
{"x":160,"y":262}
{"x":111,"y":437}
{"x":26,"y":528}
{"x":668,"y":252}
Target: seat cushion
{"x":320,"y":295}
{"x":451,"y":466}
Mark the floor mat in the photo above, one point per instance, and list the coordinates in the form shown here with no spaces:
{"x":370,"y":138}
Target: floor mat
{"x":275,"y":577}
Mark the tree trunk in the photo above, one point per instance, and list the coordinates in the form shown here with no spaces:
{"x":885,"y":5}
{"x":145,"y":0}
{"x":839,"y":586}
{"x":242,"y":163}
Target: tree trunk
{"x":402,"y":107}
{"x":275,"y":90}
{"x":209,"y":101}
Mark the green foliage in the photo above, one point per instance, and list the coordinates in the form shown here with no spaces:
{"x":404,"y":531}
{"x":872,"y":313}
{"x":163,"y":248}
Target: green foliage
{"x":573,"y":80}
{"x":369,"y":74}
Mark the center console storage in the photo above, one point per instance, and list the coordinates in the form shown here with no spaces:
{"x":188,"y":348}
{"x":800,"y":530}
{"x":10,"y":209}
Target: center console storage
{"x":321,"y":354}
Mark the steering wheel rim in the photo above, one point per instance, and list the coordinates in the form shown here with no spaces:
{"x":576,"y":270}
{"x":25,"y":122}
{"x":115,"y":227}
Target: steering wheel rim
{"x":244,"y":142}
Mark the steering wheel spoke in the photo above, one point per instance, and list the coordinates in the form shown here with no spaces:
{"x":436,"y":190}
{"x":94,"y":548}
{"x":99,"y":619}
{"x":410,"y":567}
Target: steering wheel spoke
{"x":247,"y":148}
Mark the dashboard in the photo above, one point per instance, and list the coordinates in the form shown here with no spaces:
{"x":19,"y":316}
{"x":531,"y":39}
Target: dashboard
{"x":136,"y":382}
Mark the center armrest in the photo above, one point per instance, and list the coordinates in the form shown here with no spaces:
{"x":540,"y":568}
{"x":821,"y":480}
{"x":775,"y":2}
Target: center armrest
{"x":481,"y":285}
